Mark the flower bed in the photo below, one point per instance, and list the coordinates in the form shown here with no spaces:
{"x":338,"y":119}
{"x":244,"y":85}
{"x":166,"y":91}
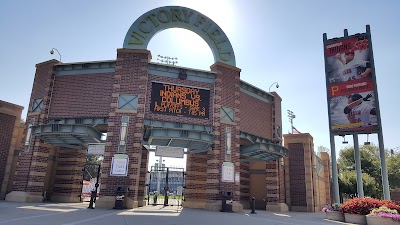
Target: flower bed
{"x":333,"y":212}
{"x":383,"y":216}
{"x":360,"y":206}
{"x":380,"y":212}
{"x":377,"y":220}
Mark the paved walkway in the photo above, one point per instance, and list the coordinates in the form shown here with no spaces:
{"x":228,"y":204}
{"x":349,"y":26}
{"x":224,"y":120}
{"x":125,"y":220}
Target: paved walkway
{"x":12,"y":213}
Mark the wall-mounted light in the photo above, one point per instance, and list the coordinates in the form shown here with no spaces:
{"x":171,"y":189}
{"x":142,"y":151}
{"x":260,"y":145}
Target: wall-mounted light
{"x":277,"y":86}
{"x":52,"y":52}
{"x":228,"y":146}
{"x":123,"y":134}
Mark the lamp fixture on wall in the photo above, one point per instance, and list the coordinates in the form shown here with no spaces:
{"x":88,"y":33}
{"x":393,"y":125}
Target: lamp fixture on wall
{"x":277,"y":86}
{"x":123,"y":134}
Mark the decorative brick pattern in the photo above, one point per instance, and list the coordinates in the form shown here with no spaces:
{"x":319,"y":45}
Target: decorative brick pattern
{"x":130,"y":76}
{"x":6,"y":130}
{"x":35,"y":159}
{"x":297,"y":175}
{"x":282,"y":188}
{"x":143,"y":174}
{"x":196,"y":176}
{"x":272,"y":182}
{"x":83,"y":95}
{"x":251,"y":108}
{"x":226,"y":92}
{"x":244,"y":182}
{"x":69,"y":171}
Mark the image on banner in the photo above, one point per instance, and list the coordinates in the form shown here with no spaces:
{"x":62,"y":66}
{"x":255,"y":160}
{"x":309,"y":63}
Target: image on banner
{"x":348,"y":60}
{"x":353,"y":112}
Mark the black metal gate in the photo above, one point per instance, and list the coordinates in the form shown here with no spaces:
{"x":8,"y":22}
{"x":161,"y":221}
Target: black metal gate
{"x":166,"y":186}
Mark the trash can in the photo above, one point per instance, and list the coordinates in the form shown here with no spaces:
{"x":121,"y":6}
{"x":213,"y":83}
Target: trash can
{"x":120,"y":195}
{"x":227,"y":197}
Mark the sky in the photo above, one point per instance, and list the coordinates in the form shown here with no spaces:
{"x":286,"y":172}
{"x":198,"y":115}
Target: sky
{"x":273,"y":41}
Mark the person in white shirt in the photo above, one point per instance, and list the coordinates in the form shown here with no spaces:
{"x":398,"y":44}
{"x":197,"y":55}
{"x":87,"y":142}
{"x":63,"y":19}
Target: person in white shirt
{"x":358,"y":112}
{"x":352,"y":69}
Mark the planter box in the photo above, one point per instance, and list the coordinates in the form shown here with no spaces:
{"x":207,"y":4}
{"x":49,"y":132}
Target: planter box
{"x":334,"y":215}
{"x":374,"y":220}
{"x":355,"y":218}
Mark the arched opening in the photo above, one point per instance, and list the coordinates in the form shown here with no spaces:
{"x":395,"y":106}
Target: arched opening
{"x":189,"y":48}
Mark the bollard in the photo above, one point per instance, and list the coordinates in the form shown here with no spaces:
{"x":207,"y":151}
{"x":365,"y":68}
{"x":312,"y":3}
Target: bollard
{"x":253,"y":205}
{"x":92,"y":199}
{"x":155,"y":198}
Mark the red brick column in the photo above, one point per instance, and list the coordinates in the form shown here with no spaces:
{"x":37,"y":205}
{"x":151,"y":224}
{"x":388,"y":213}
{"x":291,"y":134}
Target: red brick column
{"x":227,"y":93}
{"x":298,"y":172}
{"x":196,"y":177}
{"x":131,"y":76}
{"x":32,"y":162}
{"x":10,"y":116}
{"x":67,"y":186}
{"x":272,"y":183}
{"x":327,"y":177}
{"x":245,"y":184}
{"x":143,"y":177}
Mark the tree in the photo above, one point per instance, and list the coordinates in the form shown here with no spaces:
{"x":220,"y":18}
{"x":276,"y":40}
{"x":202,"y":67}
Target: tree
{"x":370,"y":165}
{"x":91,"y":166}
{"x":393,"y":166}
{"x":348,"y":185}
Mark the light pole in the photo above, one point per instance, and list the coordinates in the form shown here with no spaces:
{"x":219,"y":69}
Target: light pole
{"x":167,"y":59}
{"x":291,"y":117}
{"x":52,"y":52}
{"x":277,"y":86}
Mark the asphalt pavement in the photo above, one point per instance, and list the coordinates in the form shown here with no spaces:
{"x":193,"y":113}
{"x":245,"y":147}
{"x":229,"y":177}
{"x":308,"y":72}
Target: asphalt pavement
{"x":12,"y":213}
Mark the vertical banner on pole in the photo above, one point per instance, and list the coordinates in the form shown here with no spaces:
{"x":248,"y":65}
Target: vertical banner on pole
{"x":352,"y":95}
{"x":350,"y":83}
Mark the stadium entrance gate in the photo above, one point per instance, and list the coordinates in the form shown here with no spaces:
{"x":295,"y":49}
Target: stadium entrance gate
{"x":166,"y":186}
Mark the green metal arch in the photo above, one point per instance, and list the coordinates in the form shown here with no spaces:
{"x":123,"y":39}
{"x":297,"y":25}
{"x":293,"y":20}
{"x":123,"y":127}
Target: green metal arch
{"x":156,"y":20}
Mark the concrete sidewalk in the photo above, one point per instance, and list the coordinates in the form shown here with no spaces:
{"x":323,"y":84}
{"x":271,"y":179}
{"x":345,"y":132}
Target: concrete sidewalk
{"x":12,"y":213}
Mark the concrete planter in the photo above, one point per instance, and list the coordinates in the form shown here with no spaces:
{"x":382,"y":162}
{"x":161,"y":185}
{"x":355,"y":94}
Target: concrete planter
{"x":334,"y":215}
{"x":375,"y":220}
{"x":355,"y":218}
